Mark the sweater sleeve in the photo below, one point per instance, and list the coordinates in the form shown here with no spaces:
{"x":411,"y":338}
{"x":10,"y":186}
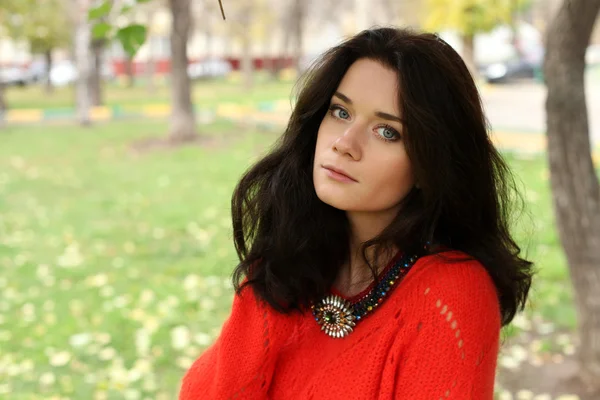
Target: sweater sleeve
{"x":456,"y":336}
{"x":235,"y":363}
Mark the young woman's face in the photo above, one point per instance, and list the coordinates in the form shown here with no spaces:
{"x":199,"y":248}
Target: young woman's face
{"x":361,"y":138}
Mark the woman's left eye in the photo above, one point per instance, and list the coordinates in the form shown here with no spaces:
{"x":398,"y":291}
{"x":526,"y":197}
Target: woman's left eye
{"x":388,"y":133}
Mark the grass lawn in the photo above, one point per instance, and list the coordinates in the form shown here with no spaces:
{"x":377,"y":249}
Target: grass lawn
{"x":115,"y":265}
{"x":203,"y":93}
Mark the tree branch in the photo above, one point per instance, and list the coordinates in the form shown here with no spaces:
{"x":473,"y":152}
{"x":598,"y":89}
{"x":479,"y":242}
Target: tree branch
{"x":222,"y":11}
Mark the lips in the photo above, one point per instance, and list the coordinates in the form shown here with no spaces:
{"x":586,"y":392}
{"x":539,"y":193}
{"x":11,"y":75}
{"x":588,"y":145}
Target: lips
{"x":339,"y":171}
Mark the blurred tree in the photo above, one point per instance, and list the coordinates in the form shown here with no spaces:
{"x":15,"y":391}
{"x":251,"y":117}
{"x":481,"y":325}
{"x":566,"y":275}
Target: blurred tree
{"x":5,"y":14}
{"x":248,"y":22}
{"x":295,"y":19}
{"x":468,"y":17}
{"x":267,"y":27}
{"x":130,"y":70}
{"x":150,"y":11}
{"x":575,"y":187}
{"x":281,"y":21}
{"x":132,"y":37}
{"x":83,"y":59}
{"x":246,"y":16}
{"x":407,"y":12}
{"x":183,"y":121}
{"x":45,"y":25}
{"x":103,"y":17}
{"x":298,"y":13}
{"x":98,"y":46}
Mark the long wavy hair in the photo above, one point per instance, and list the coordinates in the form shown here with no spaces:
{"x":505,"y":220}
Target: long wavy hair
{"x":291,"y":245}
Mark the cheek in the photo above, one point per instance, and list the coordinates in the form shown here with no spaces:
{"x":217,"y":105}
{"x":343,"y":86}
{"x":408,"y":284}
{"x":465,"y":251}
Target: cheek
{"x":324,"y":135}
{"x":391,"y":181}
{"x":323,"y":143}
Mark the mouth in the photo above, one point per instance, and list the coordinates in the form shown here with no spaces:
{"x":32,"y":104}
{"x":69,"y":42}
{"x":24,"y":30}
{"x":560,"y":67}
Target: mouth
{"x":338,"y":173}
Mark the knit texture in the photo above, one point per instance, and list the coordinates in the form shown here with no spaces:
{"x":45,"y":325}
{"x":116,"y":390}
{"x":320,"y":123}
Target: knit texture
{"x":436,"y":336}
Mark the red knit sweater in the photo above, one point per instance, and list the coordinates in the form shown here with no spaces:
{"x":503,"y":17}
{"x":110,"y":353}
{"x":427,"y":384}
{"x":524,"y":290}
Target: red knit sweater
{"x":436,"y":336}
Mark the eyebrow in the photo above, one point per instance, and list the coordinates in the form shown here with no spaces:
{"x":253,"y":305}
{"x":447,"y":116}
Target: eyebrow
{"x":380,"y":114}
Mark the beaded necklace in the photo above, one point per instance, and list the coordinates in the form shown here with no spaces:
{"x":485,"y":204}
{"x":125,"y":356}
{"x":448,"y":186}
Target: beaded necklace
{"x":338,"y":316}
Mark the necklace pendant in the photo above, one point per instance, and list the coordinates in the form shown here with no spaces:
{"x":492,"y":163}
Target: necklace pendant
{"x":338,"y":317}
{"x":335,"y":316}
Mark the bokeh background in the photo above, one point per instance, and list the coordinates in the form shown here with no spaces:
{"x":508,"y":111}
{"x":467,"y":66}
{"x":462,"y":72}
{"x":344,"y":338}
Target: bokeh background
{"x":120,"y":146}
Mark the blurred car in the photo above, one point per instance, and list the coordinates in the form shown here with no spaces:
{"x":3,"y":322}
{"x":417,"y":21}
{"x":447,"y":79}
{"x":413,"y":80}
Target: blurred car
{"x":208,"y":69}
{"x":524,"y":64}
{"x":65,"y":73}
{"x":530,"y":66}
{"x":14,"y":76}
{"x":37,"y":71}
{"x":513,"y":69}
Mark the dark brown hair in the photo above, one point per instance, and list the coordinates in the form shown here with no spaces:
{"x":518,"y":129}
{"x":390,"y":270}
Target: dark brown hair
{"x":291,"y":245}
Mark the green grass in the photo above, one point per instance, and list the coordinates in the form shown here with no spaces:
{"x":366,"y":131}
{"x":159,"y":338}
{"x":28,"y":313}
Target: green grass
{"x":102,"y":243}
{"x":551,"y":295}
{"x":203,"y":93}
{"x":108,"y":257}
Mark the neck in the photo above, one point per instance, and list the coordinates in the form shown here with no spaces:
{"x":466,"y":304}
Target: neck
{"x":356,"y":274}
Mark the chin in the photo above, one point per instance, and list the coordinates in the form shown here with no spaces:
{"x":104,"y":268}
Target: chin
{"x":335,"y":198}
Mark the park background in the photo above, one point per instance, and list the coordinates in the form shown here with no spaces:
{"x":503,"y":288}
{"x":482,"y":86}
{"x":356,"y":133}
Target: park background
{"x":117,"y":164}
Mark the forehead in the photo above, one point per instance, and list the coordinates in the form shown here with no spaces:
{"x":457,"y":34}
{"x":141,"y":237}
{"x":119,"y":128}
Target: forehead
{"x":370,"y":85}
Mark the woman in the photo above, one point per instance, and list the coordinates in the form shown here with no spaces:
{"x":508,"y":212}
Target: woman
{"x":374,"y":246}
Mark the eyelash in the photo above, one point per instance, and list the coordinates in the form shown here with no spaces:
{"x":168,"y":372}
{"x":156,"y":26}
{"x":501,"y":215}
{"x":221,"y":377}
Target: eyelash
{"x":334,"y":107}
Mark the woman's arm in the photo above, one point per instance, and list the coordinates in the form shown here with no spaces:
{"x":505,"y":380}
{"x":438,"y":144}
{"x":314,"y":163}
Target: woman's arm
{"x":235,"y":363}
{"x":454,"y":351}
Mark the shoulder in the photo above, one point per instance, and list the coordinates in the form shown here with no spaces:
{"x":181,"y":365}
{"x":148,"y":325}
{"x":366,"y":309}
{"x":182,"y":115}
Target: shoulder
{"x":453,"y":289}
{"x":449,"y":323}
{"x":455,"y":275}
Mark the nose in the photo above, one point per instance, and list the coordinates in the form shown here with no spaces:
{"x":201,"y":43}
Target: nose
{"x":348,"y":143}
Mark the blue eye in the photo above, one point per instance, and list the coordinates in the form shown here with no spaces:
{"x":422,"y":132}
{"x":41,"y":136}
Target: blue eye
{"x":341,"y":113}
{"x":388,"y":133}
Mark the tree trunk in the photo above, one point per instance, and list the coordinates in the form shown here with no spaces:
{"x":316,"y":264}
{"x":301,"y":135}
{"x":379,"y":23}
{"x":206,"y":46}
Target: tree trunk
{"x":209,"y":38}
{"x":149,"y":70}
{"x":575,"y":186}
{"x":281,"y":61}
{"x":269,"y":66}
{"x":183,"y":123}
{"x":299,"y":11}
{"x":83,"y":57}
{"x":48,"y":57}
{"x":150,"y":66}
{"x":96,"y":75}
{"x":247,"y":63}
{"x":469,"y":53}
{"x":130,"y":72}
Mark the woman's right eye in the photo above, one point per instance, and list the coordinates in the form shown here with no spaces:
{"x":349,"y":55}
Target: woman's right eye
{"x":339,"y":112}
